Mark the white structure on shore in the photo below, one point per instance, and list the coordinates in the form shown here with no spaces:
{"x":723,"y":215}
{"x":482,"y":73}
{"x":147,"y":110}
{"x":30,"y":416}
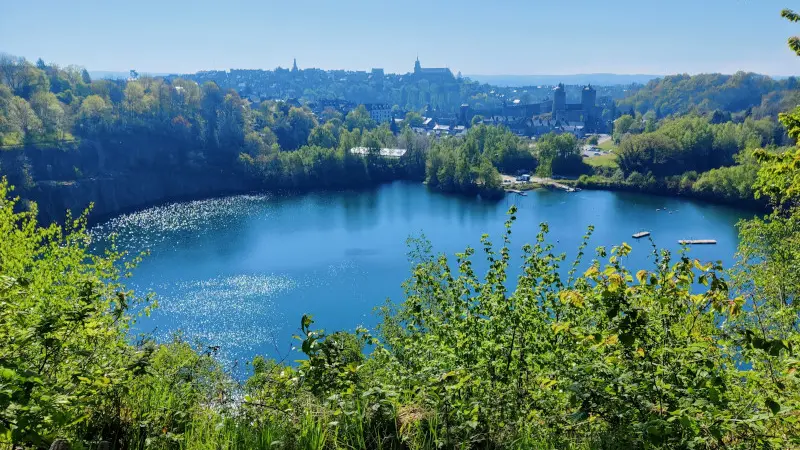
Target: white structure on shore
{"x":385,"y":152}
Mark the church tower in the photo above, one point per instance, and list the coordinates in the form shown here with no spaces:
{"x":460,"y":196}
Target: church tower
{"x":294,"y":65}
{"x":417,"y":66}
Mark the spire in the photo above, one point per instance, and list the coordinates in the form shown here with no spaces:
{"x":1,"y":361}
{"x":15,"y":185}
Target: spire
{"x":294,"y":65}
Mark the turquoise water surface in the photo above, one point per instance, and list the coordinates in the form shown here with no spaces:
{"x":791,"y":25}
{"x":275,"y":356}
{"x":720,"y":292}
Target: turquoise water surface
{"x":239,"y":272}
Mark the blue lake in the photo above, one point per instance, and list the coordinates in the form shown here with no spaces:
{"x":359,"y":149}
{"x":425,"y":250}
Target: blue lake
{"x":239,"y":272}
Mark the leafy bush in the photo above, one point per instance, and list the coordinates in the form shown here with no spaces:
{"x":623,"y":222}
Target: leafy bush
{"x":63,"y":322}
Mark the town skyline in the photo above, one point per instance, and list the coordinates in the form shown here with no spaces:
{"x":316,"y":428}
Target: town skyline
{"x":573,"y":37}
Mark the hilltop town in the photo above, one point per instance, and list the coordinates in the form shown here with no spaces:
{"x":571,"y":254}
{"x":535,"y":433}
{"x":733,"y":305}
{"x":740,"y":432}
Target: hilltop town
{"x":448,"y":103}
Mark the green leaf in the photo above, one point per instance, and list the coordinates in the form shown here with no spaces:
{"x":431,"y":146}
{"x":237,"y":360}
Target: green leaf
{"x":773,"y":406}
{"x":627,"y":339}
{"x":306,"y":322}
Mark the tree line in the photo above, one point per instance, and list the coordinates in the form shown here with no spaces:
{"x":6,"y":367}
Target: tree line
{"x":692,"y":155}
{"x":277,"y":145}
{"x":280,"y":146}
{"x":741,"y":94}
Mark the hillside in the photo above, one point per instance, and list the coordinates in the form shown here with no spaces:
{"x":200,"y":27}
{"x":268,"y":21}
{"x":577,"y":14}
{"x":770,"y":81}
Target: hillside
{"x":705,"y":93}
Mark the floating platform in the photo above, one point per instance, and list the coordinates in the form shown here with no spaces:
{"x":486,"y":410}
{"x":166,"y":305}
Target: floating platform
{"x":518,"y":192}
{"x":697,"y":242}
{"x":641,"y":234}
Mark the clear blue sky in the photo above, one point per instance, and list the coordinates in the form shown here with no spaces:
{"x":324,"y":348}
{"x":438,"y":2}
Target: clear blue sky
{"x":472,"y":36}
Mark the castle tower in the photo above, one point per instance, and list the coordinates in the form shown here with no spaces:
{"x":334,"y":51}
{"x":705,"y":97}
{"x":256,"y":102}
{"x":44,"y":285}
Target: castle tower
{"x":588,"y":104}
{"x":559,"y":100}
{"x":588,"y":98}
{"x":463,"y":114}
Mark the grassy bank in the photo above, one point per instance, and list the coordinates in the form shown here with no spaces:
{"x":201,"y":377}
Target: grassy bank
{"x":673,"y":187}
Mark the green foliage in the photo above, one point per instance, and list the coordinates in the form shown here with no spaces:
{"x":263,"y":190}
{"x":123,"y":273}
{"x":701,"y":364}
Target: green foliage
{"x":622,"y":126}
{"x":608,"y":160}
{"x":324,"y":136}
{"x":731,"y":184}
{"x":655,"y":152}
{"x":313,"y":167}
{"x":779,"y":174}
{"x":692,"y":143}
{"x":413,"y":119}
{"x":506,"y":151}
{"x":464,"y":165}
{"x":705,"y":93}
{"x":794,"y":41}
{"x":93,"y":115}
{"x":559,"y":154}
{"x":359,"y":118}
{"x":63,"y":319}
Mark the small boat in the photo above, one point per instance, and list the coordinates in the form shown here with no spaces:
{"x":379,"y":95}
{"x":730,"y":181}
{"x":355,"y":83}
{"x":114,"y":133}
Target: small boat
{"x":641,"y":234}
{"x":697,"y":242}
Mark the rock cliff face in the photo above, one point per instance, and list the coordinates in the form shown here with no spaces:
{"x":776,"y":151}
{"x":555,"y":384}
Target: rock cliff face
{"x":116,"y":174}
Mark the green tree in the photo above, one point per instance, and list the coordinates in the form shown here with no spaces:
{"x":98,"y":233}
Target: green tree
{"x":94,"y":114}
{"x":559,"y":154}
{"x":50,"y":112}
{"x":413,"y":119}
{"x":137,"y":102}
{"x":622,"y":126}
{"x":323,"y":136}
{"x":23,"y":118}
{"x":301,"y":121}
{"x":233,"y":122}
{"x":359,"y":118}
{"x":85,"y":76}
{"x":651,"y":152}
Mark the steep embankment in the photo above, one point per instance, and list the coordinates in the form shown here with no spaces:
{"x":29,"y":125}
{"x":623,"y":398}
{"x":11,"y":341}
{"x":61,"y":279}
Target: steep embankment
{"x":117,"y":174}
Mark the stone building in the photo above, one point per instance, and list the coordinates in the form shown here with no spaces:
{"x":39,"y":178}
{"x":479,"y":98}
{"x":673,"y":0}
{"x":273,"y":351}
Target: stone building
{"x":586,"y":111}
{"x":379,"y":112}
{"x":439,"y":75}
{"x":534,"y":119}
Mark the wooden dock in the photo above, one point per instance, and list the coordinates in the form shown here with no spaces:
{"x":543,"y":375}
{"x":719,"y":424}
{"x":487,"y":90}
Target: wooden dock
{"x":697,"y":242}
{"x":641,"y":234}
{"x":517,"y":191}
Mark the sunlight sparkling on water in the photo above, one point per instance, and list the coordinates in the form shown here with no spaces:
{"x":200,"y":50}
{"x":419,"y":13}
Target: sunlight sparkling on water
{"x":161,"y":223}
{"x":238,"y":311}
